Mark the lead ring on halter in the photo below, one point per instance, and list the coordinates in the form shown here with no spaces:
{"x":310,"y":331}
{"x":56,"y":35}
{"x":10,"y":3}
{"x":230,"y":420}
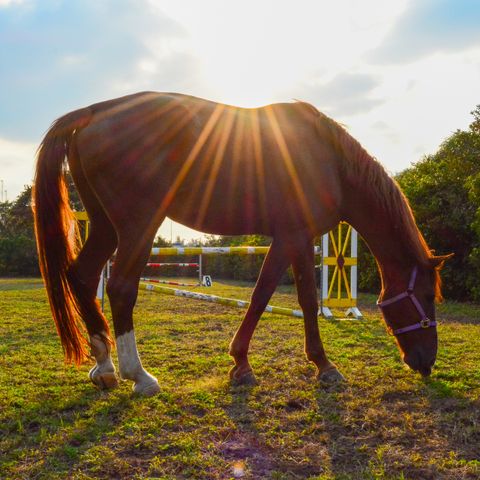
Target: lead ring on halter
{"x":424,"y":322}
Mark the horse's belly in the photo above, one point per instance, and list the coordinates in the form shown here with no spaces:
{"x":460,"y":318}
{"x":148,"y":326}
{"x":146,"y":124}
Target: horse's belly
{"x":222,"y":215}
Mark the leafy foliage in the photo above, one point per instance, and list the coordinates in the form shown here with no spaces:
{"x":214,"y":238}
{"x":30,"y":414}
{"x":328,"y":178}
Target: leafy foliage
{"x":368,"y":276}
{"x":18,"y":251}
{"x":444,"y":191}
{"x":236,"y":267}
{"x":18,"y":254}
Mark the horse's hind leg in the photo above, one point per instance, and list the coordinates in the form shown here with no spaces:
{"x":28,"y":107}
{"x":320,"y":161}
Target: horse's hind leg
{"x":303,"y":264}
{"x":86,"y":270}
{"x":85,"y":274}
{"x":134,"y":248}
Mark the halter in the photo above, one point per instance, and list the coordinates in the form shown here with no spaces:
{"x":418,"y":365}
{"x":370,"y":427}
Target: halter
{"x":424,"y":322}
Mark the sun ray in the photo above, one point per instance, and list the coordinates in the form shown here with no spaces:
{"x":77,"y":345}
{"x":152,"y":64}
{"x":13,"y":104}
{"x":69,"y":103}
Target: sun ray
{"x":225,"y":130}
{"x":187,"y":165}
{"x":131,"y":103}
{"x":205,"y":168}
{"x":288,"y":161}
{"x":236,"y":177}
{"x":259,"y":168}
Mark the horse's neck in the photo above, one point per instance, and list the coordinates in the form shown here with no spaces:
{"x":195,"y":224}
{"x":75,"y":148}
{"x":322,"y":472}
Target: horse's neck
{"x":382,"y":235}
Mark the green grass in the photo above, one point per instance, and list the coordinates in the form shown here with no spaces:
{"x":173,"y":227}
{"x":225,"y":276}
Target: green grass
{"x":384,"y":423}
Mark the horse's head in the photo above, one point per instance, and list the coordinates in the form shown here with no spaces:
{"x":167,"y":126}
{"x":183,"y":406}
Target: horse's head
{"x":409,"y":313}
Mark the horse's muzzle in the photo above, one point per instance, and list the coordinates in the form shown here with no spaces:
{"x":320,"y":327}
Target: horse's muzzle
{"x":420,"y":364}
{"x":425,"y":371}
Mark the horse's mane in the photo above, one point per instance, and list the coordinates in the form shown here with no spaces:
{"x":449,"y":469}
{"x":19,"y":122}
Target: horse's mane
{"x":361,"y":169}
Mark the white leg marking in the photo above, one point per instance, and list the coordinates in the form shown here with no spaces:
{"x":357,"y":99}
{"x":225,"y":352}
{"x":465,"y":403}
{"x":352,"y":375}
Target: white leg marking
{"x":128,"y":359}
{"x":131,"y":367}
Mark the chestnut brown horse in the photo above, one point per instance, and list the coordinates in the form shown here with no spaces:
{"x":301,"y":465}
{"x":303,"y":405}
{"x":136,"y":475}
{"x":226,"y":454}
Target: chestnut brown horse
{"x":284,"y":170}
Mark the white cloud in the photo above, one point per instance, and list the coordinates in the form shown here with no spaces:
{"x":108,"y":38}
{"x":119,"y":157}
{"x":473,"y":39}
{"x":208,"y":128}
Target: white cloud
{"x":16,"y":165}
{"x":58,"y":55}
{"x":425,"y":102}
{"x":428,"y":27}
{"x":343,"y":95}
{"x":9,"y":3}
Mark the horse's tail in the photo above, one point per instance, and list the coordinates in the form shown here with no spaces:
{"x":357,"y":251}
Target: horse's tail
{"x":55,"y":233}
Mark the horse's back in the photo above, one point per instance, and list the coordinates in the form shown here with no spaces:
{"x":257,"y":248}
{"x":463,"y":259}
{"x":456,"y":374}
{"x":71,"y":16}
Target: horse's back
{"x":222,"y":169}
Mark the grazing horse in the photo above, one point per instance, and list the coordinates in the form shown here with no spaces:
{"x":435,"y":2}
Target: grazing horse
{"x":284,"y":170}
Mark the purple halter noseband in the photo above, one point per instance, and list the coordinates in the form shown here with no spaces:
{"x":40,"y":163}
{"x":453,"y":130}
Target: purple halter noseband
{"x":424,"y":322}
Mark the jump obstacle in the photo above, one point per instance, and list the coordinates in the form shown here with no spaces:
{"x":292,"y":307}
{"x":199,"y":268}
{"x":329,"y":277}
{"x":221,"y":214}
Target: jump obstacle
{"x":215,"y":251}
{"x":168,"y":282}
{"x":181,"y":265}
{"x":157,"y":265}
{"x":232,"y":302}
{"x":337,"y":289}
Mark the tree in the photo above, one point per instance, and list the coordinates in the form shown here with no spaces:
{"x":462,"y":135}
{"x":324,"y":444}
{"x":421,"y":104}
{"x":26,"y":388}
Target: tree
{"x":444,"y":192}
{"x":18,"y":253}
{"x":161,"y":242}
{"x":73,"y":196}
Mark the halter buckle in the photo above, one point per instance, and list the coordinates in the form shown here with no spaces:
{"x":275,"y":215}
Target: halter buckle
{"x":425,"y":322}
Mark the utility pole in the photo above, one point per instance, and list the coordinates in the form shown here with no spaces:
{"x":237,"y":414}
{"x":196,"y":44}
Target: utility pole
{"x":3,"y":192}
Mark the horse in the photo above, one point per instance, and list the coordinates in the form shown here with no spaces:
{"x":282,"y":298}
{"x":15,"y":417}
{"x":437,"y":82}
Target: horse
{"x":284,"y":170}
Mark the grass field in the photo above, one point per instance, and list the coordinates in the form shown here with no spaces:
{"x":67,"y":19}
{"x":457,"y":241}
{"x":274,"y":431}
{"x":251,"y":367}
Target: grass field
{"x":384,"y":423}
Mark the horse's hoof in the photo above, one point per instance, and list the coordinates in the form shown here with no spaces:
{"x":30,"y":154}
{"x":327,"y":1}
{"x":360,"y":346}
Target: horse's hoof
{"x":146,"y":384}
{"x":148,"y":390}
{"x":331,"y":377}
{"x":245,"y":378}
{"x":105,"y":380}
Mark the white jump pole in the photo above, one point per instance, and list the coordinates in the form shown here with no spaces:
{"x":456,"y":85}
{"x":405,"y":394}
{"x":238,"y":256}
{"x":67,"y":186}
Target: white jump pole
{"x":215,"y":251}
{"x":354,"y":311}
{"x":101,"y":288}
{"x":326,"y":312}
{"x":216,"y":299}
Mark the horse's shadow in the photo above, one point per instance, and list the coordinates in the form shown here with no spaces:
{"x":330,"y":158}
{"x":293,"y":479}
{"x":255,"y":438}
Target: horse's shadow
{"x":427,"y":429}
{"x":432,"y":427}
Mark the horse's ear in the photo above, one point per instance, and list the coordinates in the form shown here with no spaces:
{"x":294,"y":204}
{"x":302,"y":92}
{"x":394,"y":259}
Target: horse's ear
{"x":438,"y":261}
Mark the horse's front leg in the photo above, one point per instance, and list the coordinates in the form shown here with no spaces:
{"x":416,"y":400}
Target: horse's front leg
{"x":303,"y":264}
{"x":274,"y":265}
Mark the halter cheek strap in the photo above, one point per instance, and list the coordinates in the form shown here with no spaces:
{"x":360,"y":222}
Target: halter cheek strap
{"x":424,"y":322}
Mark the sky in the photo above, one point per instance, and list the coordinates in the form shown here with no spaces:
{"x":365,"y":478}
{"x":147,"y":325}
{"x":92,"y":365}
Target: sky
{"x":402,"y":76}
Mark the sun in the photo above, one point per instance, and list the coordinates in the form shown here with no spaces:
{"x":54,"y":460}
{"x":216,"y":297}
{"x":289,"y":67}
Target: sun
{"x":251,"y":60}
{"x":252,"y":53}
{"x":242,"y":74}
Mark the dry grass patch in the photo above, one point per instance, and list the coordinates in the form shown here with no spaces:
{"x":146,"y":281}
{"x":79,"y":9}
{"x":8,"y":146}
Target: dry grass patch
{"x":384,"y":423}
